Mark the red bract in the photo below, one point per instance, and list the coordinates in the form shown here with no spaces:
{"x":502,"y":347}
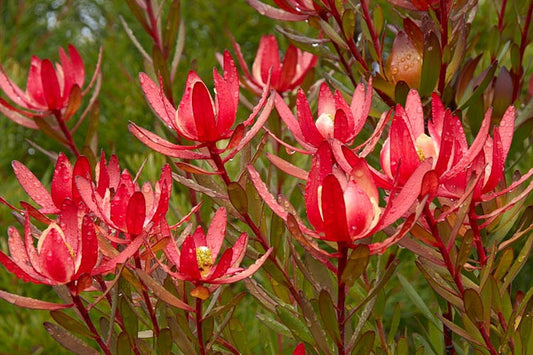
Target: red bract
{"x":342,"y":199}
{"x":63,"y":183}
{"x":200,"y":119}
{"x":124,"y":206}
{"x":197,"y":260}
{"x":285,"y":76}
{"x":289,"y":10}
{"x":48,"y":89}
{"x":66,"y":250}
{"x":335,"y":118}
{"x":453,"y":161}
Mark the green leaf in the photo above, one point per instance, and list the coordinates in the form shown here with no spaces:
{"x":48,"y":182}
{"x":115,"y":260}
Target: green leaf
{"x":459,"y":331}
{"x":161,"y":69}
{"x":464,"y":250}
{"x":161,"y":292}
{"x":417,"y":300}
{"x":313,"y":324}
{"x":123,"y":344}
{"x":365,"y":343}
{"x":238,"y":197}
{"x":459,"y":52}
{"x":487,"y":76}
{"x":473,"y":305}
{"x":71,"y":324}
{"x":67,"y":340}
{"x":131,"y":322}
{"x":395,"y":322}
{"x":348,"y":23}
{"x":329,"y":315}
{"x":402,"y":347}
{"x":164,"y":341}
{"x":172,"y":25}
{"x":181,"y":335}
{"x":506,"y":260}
{"x":312,"y":45}
{"x":332,"y":34}
{"x":295,"y":325}
{"x":138,"y":12}
{"x":400,"y":92}
{"x":238,"y":334}
{"x":377,"y":19}
{"x":431,"y":64}
{"x":356,"y":264}
{"x":273,"y":324}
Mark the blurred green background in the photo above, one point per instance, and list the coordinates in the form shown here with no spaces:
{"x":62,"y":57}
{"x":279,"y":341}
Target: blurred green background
{"x":39,"y":28}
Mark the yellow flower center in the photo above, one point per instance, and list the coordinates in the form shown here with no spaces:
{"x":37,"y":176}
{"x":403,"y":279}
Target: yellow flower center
{"x":204,"y":259}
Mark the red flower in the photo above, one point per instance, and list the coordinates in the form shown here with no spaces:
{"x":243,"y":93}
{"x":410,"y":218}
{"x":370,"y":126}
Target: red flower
{"x":48,"y":89}
{"x":453,"y":161}
{"x":285,"y":76}
{"x":198,"y":117}
{"x":66,"y":250}
{"x":335,"y":118}
{"x":197,"y":260}
{"x":342,"y":200}
{"x":421,"y":5}
{"x":63,"y":183}
{"x":124,"y":206}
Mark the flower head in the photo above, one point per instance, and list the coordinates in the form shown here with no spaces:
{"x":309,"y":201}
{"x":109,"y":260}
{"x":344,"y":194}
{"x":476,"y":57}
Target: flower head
{"x":286,"y":75}
{"x":49,"y":89}
{"x":66,"y":250}
{"x":197,"y":259}
{"x":453,"y":161}
{"x":335,"y":118}
{"x":124,"y":206}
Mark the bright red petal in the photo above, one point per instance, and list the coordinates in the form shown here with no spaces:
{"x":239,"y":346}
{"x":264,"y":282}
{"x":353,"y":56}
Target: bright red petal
{"x":56,"y":259}
{"x":216,"y":231}
{"x":136,"y":213}
{"x":62,"y":181}
{"x":50,"y":83}
{"x":33,"y":187}
{"x":188,"y":260}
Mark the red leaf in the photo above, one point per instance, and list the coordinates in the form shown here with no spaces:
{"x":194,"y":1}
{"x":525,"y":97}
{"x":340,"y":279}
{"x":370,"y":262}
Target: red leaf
{"x":31,"y":303}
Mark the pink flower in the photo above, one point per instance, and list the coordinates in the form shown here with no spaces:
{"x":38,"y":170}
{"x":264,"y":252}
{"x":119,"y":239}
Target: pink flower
{"x":342,"y":200}
{"x":335,"y":119}
{"x":124,"y":206}
{"x":453,"y":161}
{"x":285,"y":76}
{"x":67,"y":251}
{"x":63,"y":183}
{"x":201,"y":119}
{"x":48,"y":89}
{"x":197,"y":259}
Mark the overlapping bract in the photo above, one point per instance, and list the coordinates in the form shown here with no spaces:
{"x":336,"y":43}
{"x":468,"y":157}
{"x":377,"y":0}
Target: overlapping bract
{"x":336,"y":119}
{"x":453,"y":161}
{"x":49,"y":89}
{"x":286,"y":75}
{"x":66,"y":251}
{"x":197,"y":259}
{"x":200,"y":119}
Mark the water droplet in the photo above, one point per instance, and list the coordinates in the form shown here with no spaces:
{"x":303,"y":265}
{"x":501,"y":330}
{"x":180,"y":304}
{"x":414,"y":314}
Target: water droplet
{"x":394,"y":69}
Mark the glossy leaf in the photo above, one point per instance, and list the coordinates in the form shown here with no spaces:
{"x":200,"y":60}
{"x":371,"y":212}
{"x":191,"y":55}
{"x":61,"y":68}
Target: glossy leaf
{"x":473,"y":305}
{"x":238,"y":197}
{"x":71,"y":324}
{"x":298,"y":329}
{"x":328,"y":315}
{"x":417,"y":299}
{"x":431,"y":64}
{"x":67,"y":340}
{"x":356,"y":264}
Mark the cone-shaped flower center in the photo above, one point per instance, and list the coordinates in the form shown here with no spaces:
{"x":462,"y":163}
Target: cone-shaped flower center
{"x":326,"y":124}
{"x":425,"y":147}
{"x":204,"y":259}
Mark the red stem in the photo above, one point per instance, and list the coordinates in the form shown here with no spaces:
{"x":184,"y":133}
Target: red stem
{"x":85,"y":315}
{"x":341,"y":295}
{"x":146,"y":297}
{"x":517,"y":77}
{"x":199,"y":320}
{"x":154,"y":33}
{"x":477,"y":236}
{"x":500,"y":15}
{"x":444,"y":42}
{"x":456,"y":274}
{"x":68,"y":136}
{"x":370,"y":24}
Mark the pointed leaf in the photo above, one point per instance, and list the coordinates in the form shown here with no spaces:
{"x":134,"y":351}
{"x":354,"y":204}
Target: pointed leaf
{"x":68,"y":341}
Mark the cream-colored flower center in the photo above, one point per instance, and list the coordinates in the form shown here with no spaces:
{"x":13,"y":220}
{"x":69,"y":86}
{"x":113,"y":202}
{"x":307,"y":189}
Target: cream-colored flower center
{"x":326,"y":124}
{"x":425,"y":148}
{"x":204,"y":259}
